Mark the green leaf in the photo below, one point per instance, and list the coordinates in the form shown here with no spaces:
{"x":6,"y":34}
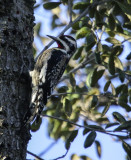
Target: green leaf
{"x":113,"y":89}
{"x":126,"y":8}
{"x":62,"y":89}
{"x":94,"y":101}
{"x":75,"y":26}
{"x":107,"y":86}
{"x":88,"y":80}
{"x":102,"y":120}
{"x":90,"y":41}
{"x":78,"y":53}
{"x":129,"y":1}
{"x":106,"y":108}
{"x":124,"y":95}
{"x":85,"y":21}
{"x":129,"y":95}
{"x":67,"y":106}
{"x":111,"y":21}
{"x":83,"y":157}
{"x":67,"y":145}
{"x":119,"y":117}
{"x":53,"y":21}
{"x":127,"y":25}
{"x":96,"y":75}
{"x":112,"y":40}
{"x":73,"y":135}
{"x":119,"y":89}
{"x":90,"y":38}
{"x":118,"y":63}
{"x":98,"y":57}
{"x":96,"y":127}
{"x":124,"y":105}
{"x":121,"y":76}
{"x":119,"y":29}
{"x":106,"y":48}
{"x":99,"y":47}
{"x":71,"y":139}
{"x":51,"y":5}
{"x":127,"y":149}
{"x":111,"y":64}
{"x":38,"y":28}
{"x":117,"y":50}
{"x":86,"y":130}
{"x":50,"y":127}
{"x":111,"y":124}
{"x":34,"y":51}
{"x":92,"y":11}
{"x":128,"y":56}
{"x":81,"y":5}
{"x":72,"y":80}
{"x":98,"y":148}
{"x":36,"y":125}
{"x":82,"y":32}
{"x":36,"y":6}
{"x":98,"y":18}
{"x":125,"y":126}
{"x":75,"y":157}
{"x":90,"y":139}
{"x":111,"y":33}
{"x":90,"y":46}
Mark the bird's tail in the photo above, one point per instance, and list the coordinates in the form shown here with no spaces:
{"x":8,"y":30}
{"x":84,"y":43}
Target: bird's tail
{"x":36,"y":106}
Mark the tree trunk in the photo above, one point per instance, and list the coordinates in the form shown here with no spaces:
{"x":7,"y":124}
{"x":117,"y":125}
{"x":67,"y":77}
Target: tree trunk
{"x":16,"y":59}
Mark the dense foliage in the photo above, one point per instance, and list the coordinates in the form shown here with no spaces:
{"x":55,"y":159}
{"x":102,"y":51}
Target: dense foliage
{"x":98,"y":76}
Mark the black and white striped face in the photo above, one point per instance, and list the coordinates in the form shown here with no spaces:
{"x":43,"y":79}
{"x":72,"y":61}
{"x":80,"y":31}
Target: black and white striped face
{"x":66,"y":42}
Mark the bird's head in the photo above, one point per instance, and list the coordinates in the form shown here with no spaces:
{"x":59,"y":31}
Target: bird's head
{"x":65,"y":42}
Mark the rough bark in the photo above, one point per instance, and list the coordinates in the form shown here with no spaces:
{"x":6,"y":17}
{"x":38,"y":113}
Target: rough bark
{"x":16,"y":58}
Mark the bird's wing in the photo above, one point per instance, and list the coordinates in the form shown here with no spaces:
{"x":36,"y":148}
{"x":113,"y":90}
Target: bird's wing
{"x":52,"y":70}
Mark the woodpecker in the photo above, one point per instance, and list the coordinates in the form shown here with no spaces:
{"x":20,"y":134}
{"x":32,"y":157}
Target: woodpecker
{"x":48,"y":69}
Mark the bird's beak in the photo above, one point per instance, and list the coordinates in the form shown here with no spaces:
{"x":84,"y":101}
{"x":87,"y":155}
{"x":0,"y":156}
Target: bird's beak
{"x":54,"y":38}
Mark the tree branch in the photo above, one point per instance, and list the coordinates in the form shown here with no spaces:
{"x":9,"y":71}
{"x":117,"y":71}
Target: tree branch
{"x":48,"y":148}
{"x":61,"y":156}
{"x":85,"y":127}
{"x":70,"y":9}
{"x":46,"y":151}
{"x":34,"y":155}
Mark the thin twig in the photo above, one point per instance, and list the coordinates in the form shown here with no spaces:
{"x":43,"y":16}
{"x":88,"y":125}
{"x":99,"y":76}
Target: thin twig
{"x":70,"y":9}
{"x":81,"y":126}
{"x":60,"y":119}
{"x":34,"y":155}
{"x":47,"y":149}
{"x":61,"y":94}
{"x":44,"y":159}
{"x":126,"y":40}
{"x":61,"y":156}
